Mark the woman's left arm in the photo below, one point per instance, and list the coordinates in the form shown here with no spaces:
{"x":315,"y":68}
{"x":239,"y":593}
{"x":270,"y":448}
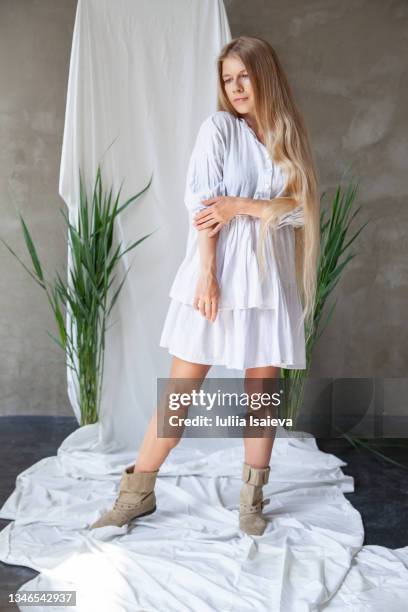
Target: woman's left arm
{"x":222,"y":209}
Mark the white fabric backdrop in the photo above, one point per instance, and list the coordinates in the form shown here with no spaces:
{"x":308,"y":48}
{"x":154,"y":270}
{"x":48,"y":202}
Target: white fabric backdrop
{"x":143,"y":72}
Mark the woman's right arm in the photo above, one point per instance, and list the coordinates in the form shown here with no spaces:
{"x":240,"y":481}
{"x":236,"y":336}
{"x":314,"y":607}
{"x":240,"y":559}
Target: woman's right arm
{"x":205,"y":180}
{"x":207,"y":290}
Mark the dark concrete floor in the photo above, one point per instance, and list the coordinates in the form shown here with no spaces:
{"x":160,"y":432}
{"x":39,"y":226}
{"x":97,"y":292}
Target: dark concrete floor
{"x":24,"y":440}
{"x":381,"y":488}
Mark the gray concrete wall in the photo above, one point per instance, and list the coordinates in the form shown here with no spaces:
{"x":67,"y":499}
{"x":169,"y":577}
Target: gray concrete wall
{"x":346,"y":63}
{"x":35,"y":44}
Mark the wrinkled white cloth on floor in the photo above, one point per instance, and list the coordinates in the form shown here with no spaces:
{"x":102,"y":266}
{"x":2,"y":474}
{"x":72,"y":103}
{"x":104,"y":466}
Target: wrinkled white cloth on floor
{"x":190,"y":555}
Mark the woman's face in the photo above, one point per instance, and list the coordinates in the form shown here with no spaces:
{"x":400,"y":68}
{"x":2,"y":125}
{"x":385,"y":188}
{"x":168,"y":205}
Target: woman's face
{"x":237,"y":85}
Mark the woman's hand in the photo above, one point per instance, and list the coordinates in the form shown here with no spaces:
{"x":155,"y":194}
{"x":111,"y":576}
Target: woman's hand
{"x":221,"y":210}
{"x":207,"y":294}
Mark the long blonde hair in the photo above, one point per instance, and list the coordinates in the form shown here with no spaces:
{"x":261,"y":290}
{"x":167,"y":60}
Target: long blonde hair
{"x":287,"y":142}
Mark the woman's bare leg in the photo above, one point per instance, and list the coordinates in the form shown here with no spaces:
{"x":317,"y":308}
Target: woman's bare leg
{"x":258,"y":450}
{"x":154,"y":450}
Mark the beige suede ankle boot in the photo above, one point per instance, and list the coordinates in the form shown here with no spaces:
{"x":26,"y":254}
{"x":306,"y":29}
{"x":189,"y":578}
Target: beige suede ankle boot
{"x":251,"y":499}
{"x":136,"y":498}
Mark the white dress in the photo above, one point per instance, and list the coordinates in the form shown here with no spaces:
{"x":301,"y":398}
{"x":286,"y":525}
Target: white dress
{"x":257,"y":324}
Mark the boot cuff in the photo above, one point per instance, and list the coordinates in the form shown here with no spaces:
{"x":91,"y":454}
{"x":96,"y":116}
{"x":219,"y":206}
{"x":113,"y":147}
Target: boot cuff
{"x":255,"y":476}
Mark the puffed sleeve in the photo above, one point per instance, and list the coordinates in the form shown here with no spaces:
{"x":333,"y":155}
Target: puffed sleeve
{"x":295,"y":216}
{"x":205,"y":169}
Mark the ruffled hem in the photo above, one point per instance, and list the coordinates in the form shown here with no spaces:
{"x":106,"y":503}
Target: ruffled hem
{"x":237,"y":339}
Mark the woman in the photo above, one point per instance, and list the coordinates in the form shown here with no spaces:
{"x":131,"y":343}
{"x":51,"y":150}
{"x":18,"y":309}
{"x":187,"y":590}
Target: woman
{"x":251,"y":260}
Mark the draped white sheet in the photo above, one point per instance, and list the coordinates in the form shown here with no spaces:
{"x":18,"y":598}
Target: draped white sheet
{"x":143,"y":72}
{"x":143,"y":77}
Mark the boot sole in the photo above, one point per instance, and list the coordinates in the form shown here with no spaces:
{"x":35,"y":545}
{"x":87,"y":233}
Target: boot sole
{"x":131,"y":520}
{"x":144,"y":514}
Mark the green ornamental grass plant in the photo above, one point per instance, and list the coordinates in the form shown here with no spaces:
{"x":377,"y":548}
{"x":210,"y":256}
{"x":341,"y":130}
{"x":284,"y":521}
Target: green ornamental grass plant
{"x":335,"y":242}
{"x":83,"y":301}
